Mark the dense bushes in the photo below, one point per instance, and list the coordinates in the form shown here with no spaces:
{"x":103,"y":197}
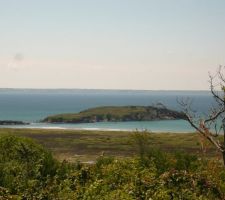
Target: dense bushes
{"x":22,"y":162}
{"x":28,"y":171}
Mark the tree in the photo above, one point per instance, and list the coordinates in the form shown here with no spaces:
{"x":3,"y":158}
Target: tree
{"x":212,"y":125}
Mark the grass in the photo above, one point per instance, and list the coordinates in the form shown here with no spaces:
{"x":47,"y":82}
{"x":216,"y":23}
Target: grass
{"x":115,"y":113}
{"x":88,"y":145}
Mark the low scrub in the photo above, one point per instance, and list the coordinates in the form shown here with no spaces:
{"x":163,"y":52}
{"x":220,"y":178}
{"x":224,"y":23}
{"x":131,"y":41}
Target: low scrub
{"x":28,"y":171}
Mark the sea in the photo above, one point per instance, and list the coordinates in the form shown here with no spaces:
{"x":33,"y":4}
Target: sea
{"x":33,"y":105}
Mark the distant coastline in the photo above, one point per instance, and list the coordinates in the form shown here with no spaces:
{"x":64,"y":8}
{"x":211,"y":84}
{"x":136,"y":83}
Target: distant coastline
{"x":34,"y":105}
{"x":12,"y":122}
{"x":99,"y":89}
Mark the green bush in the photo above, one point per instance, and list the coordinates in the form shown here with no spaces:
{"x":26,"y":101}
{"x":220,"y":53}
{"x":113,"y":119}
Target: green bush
{"x":22,"y":160}
{"x":28,"y":171}
{"x":186,"y":161}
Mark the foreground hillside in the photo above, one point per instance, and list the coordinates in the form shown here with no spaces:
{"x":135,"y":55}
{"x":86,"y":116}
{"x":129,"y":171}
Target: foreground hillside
{"x":116,"y":113}
{"x":29,"y":171}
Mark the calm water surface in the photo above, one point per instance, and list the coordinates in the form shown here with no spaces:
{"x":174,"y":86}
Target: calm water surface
{"x":34,"y":105}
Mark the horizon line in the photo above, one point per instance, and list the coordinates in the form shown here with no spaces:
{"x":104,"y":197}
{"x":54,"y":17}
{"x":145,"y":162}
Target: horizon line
{"x":103,"y":89}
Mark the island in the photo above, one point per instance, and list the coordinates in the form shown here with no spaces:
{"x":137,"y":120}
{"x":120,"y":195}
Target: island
{"x":116,"y":114}
{"x":12,"y":122}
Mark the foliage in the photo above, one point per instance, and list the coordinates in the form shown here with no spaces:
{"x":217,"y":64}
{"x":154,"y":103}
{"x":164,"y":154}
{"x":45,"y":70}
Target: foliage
{"x":28,"y":171}
{"x":23,"y":162}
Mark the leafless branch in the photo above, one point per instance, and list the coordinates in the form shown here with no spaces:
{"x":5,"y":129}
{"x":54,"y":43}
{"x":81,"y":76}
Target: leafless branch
{"x":204,"y":126}
{"x":214,"y":116}
{"x":220,"y":74}
{"x":218,"y":98}
{"x":206,"y":133}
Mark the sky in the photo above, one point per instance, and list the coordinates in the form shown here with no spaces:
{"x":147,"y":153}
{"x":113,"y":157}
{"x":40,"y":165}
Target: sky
{"x":111,"y":44}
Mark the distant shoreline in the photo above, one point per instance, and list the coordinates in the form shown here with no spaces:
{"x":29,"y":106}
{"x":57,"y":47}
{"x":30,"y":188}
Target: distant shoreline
{"x":34,"y":106}
{"x":102,"y":90}
{"x":91,"y":129}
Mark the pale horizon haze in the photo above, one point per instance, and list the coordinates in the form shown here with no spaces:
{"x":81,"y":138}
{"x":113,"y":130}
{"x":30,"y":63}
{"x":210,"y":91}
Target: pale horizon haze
{"x":111,"y":44}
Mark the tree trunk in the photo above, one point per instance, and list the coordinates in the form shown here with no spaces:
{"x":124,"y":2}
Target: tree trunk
{"x":223,"y":121}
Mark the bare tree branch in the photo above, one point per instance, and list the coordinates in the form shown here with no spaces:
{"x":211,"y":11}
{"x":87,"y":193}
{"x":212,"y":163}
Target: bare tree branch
{"x":206,"y":133}
{"x":215,"y":115}
{"x":204,"y":126}
{"x":215,"y":95}
{"x":221,"y":76}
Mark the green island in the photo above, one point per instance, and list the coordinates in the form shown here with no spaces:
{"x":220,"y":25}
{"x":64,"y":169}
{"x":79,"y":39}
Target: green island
{"x":116,"y":114}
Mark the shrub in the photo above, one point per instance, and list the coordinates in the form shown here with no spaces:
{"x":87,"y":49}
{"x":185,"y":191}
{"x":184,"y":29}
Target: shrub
{"x":22,"y":160}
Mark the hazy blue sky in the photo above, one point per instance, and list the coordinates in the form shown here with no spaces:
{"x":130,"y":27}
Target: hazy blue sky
{"x":114,"y":44}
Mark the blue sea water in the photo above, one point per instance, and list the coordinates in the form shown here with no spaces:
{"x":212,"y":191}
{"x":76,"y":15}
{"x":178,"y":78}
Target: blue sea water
{"x":33,"y":105}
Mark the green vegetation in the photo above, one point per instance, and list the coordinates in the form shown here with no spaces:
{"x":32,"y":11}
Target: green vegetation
{"x":116,"y":113}
{"x":86,"y":145}
{"x":29,"y":171}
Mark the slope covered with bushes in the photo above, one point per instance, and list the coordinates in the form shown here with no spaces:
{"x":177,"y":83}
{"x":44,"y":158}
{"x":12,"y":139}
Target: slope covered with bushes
{"x":28,"y":171}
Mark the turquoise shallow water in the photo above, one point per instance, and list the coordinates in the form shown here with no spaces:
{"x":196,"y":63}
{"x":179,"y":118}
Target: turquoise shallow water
{"x":34,"y":105}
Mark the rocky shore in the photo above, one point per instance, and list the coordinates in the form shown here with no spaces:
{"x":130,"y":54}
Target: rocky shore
{"x":12,"y":122}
